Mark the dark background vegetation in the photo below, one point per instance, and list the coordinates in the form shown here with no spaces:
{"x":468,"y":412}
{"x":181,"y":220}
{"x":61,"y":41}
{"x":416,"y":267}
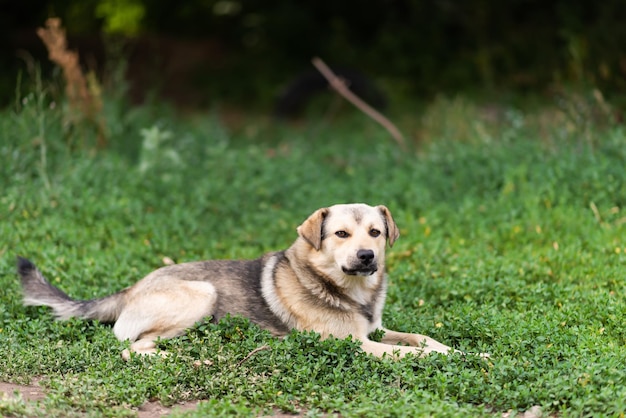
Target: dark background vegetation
{"x":244,"y":52}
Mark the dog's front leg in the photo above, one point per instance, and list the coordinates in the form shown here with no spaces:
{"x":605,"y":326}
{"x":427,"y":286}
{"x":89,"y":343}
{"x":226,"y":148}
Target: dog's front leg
{"x":394,"y":351}
{"x":427,"y":344}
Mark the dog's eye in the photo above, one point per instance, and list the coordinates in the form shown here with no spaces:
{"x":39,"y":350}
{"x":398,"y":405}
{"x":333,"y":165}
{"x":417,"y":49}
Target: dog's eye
{"x":374,"y":233}
{"x":342,"y":234}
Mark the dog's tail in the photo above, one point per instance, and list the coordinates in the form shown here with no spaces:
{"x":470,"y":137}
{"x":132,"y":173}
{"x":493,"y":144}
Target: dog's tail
{"x":39,"y":292}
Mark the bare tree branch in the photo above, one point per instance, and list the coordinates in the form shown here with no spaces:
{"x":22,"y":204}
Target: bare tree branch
{"x":340,"y":87}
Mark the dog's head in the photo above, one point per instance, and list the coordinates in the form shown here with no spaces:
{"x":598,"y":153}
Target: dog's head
{"x":351,"y":237}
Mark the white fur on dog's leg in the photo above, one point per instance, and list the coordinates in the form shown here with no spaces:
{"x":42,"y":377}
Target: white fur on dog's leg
{"x":126,"y":354}
{"x":425,"y":343}
{"x":144,"y":347}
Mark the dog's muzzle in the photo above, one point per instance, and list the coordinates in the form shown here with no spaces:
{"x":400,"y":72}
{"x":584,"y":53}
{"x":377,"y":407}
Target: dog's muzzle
{"x":364,"y":264}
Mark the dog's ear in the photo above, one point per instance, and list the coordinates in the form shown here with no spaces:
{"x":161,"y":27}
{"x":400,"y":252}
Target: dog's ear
{"x":312,"y":229}
{"x":393,"y":233}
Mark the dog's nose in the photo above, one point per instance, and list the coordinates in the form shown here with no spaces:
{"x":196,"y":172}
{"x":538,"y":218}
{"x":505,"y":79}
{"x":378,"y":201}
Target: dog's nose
{"x":366,"y":256}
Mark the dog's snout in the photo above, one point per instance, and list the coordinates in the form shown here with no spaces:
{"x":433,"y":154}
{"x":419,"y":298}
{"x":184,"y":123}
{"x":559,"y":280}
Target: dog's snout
{"x":366,"y":256}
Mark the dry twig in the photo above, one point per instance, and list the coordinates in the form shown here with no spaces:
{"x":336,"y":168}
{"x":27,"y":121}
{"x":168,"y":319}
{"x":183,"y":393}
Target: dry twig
{"x":82,"y":93}
{"x":596,"y":212}
{"x":253,"y":352}
{"x":340,"y":87}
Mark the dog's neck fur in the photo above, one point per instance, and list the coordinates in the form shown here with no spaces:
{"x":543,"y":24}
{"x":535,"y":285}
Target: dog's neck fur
{"x":340,"y":291}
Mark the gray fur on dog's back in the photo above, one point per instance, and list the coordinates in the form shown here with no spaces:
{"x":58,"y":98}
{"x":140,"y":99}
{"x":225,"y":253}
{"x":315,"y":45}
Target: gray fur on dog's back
{"x":238,"y":287}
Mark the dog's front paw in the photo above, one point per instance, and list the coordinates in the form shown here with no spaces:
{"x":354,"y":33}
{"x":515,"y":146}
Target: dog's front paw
{"x":127,"y":355}
{"x":466,"y":354}
{"x":483,"y":356}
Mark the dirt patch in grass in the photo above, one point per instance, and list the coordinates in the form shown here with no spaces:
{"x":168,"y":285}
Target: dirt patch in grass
{"x":34,"y":393}
{"x":155,"y":409}
{"x":30,"y":393}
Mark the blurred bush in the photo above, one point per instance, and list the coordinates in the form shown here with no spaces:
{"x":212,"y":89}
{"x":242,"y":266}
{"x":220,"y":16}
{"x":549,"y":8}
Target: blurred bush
{"x":416,"y":46}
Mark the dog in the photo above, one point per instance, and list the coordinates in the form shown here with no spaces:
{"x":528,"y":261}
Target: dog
{"x":331,"y":280}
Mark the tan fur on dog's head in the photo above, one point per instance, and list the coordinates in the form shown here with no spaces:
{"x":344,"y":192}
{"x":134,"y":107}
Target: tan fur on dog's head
{"x":311,"y":228}
{"x":350,"y":238}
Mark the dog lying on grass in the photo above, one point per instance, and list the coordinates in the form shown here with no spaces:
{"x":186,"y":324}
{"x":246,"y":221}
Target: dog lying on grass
{"x":331,"y":280}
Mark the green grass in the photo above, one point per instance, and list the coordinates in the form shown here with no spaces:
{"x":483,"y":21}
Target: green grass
{"x":512,"y":243}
